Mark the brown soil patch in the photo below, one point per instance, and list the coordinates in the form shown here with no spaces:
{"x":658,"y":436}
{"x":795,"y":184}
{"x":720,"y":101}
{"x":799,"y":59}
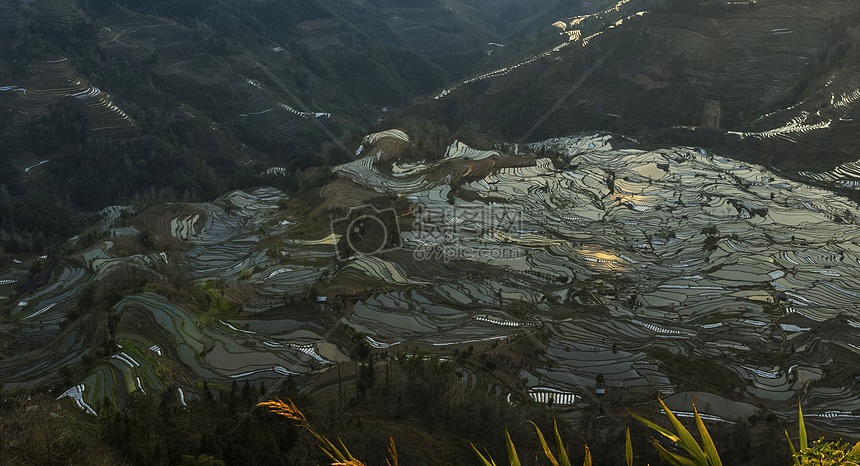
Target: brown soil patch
{"x":343,"y":193}
{"x":466,"y":171}
{"x":241,"y":294}
{"x":157,"y":219}
{"x":391,"y":148}
{"x":650,"y":83}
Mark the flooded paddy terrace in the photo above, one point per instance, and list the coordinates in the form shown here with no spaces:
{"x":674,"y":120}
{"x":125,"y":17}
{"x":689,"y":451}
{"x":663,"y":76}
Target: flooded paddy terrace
{"x":627,"y":262}
{"x":624,"y":255}
{"x":219,"y":242}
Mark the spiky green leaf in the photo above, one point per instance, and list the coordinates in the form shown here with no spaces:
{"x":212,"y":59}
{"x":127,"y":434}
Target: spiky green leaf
{"x":804,"y":443}
{"x":484,"y":461}
{"x":793,"y":451}
{"x":543,"y":443}
{"x":587,"y":461}
{"x":711,"y":454}
{"x":562,"y":452}
{"x":687,"y":442}
{"x":675,"y":460}
{"x":512,"y":451}
{"x":666,"y":433}
{"x":628,"y":449}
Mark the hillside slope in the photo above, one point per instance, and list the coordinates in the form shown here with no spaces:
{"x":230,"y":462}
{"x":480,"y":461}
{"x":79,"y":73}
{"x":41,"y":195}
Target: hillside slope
{"x":120,"y":102}
{"x":774,"y":80}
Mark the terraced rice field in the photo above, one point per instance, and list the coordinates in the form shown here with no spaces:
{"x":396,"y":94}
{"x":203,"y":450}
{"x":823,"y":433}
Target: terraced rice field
{"x":570,"y":29}
{"x":60,"y":9}
{"x":216,"y":352}
{"x":224,"y":236}
{"x":623,"y":251}
{"x":184,"y":62}
{"x":57,"y":78}
{"x":837,"y":97}
{"x":625,"y":259}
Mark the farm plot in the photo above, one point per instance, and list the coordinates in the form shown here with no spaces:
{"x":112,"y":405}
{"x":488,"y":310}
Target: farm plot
{"x":708,"y":257}
{"x":43,"y":311}
{"x":628,"y":261}
{"x":33,"y":368}
{"x":57,"y":78}
{"x":224,"y":237}
{"x":220,"y":351}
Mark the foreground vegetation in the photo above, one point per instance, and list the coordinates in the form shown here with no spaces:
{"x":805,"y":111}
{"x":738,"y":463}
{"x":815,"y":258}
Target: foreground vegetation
{"x":705,"y":454}
{"x":417,"y":402}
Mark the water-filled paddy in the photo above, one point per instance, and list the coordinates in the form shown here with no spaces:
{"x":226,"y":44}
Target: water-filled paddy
{"x":622,"y":256}
{"x":682,"y":249}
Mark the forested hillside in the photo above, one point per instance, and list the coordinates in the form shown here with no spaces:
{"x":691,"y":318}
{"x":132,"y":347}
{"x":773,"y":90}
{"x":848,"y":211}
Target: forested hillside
{"x":769,"y":81}
{"x":121,"y":102}
{"x":117,"y":103}
{"x":426,"y":221}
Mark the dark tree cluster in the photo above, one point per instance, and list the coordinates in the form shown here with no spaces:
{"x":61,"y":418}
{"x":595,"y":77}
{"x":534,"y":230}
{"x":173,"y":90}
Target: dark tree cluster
{"x":155,"y":429}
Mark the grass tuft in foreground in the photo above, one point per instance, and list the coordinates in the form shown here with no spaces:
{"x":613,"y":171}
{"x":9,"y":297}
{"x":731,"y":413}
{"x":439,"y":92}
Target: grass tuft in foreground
{"x":289,"y":410}
{"x":821,"y":453}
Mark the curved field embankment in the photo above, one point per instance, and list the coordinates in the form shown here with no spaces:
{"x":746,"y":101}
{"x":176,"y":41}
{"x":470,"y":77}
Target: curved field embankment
{"x":628,"y":257}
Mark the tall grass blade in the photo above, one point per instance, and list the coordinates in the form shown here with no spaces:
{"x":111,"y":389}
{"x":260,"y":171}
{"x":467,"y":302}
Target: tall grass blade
{"x":628,"y":449}
{"x":289,"y":410}
{"x":672,"y":458}
{"x":328,"y":447}
{"x":484,"y":461}
{"x":285,"y":408}
{"x":687,"y":442}
{"x":328,"y":452}
{"x":348,"y":454}
{"x":543,"y":443}
{"x":666,"y":433}
{"x":793,"y":451}
{"x":587,"y":461}
{"x":512,"y":451}
{"x":711,"y":454}
{"x":562,"y":452}
{"x":392,"y":451}
{"x":803,"y":440}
